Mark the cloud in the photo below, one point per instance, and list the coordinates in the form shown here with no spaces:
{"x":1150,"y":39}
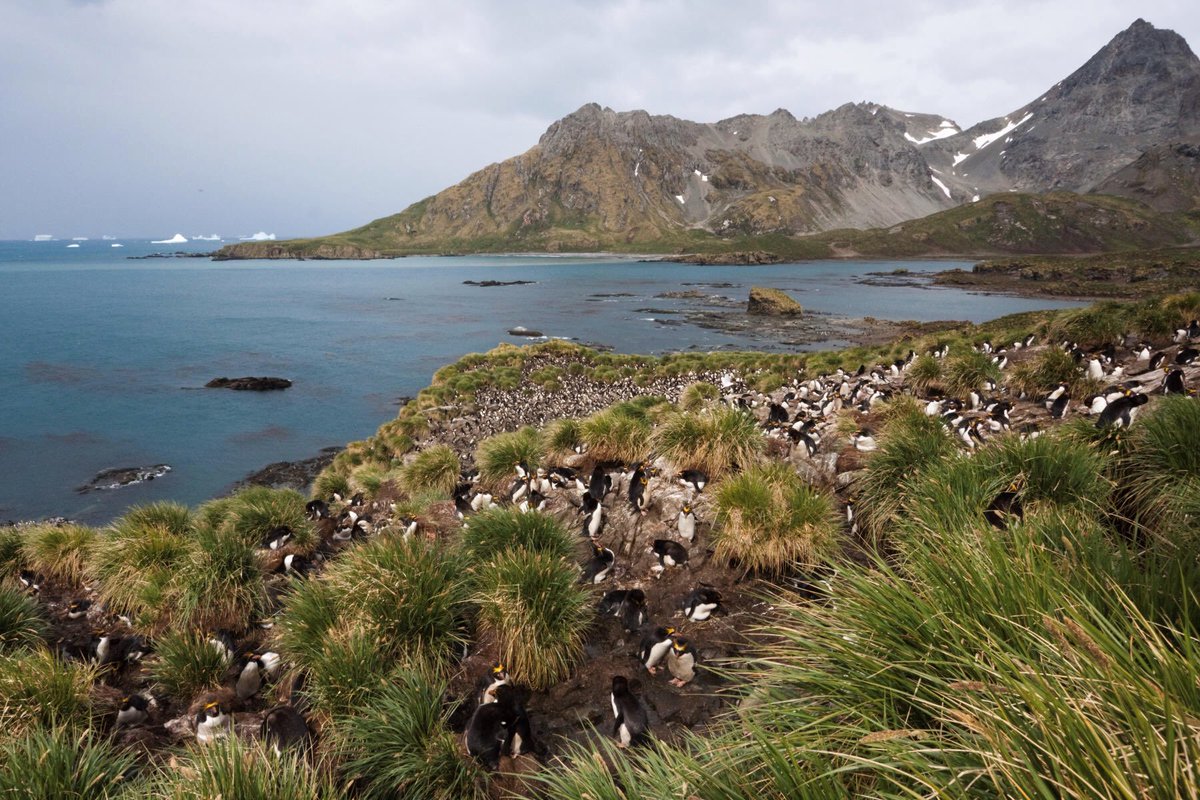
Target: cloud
{"x":314,"y":116}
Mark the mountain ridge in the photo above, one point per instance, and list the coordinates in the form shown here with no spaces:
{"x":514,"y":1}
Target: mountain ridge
{"x":599,"y":179}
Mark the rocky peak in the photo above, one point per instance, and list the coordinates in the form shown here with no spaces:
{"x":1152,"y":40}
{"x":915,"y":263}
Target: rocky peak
{"x":1141,"y":54}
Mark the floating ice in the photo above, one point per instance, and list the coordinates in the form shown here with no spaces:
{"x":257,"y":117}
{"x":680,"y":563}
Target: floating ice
{"x":79,"y":238}
{"x":116,"y":244}
{"x":73,"y":244}
{"x":213,"y":238}
{"x":178,"y":238}
{"x":261,"y":236}
{"x":43,"y":237}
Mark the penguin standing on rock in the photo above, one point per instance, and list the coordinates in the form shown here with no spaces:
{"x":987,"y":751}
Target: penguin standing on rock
{"x":496,"y":677}
{"x":594,"y":513}
{"x":1056,"y":402}
{"x":600,"y":484}
{"x":597,"y":569}
{"x":488,"y":730}
{"x":694,"y":479}
{"x":685,"y":524}
{"x":681,"y":661}
{"x":316,"y":510}
{"x":654,"y":648}
{"x":249,"y":678}
{"x":1120,"y":412}
{"x":1173,"y":383}
{"x":637,"y":491}
{"x":631,"y":722}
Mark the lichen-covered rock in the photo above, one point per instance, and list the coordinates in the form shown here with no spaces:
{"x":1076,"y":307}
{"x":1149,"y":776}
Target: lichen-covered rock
{"x":772,"y":303}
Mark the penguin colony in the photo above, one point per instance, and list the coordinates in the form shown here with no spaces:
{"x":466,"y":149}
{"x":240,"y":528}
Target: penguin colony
{"x":612,"y":503}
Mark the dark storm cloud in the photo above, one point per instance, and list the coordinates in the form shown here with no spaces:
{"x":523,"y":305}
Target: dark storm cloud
{"x":153,"y":116}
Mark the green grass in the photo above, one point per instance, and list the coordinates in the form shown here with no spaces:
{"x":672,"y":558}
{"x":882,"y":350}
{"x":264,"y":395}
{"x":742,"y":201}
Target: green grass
{"x":968,"y":371}
{"x":497,"y":456}
{"x":435,"y":469}
{"x":499,"y":529}
{"x":57,"y":763}
{"x":230,"y":768}
{"x":384,"y":604}
{"x":59,"y":552}
{"x":255,"y":511}
{"x":617,"y":435}
{"x":908,"y":443}
{"x":560,"y":438}
{"x":22,"y":622}
{"x":37,"y":691}
{"x":699,"y":396}
{"x":1159,"y":473}
{"x":398,"y":745}
{"x":1091,"y":326}
{"x":1041,"y":374}
{"x":138,"y":557}
{"x":716,"y":440}
{"x":331,"y":481}
{"x":186,"y":665}
{"x":531,"y":604}
{"x":12,"y":558}
{"x":924,"y":374}
{"x":768,"y":519}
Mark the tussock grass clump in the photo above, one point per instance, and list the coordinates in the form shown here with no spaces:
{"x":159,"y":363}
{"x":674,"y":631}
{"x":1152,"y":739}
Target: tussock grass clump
{"x":1091,"y":326}
{"x":220,"y":585}
{"x":22,"y":623}
{"x":384,"y":604}
{"x":56,"y":763}
{"x":137,"y":559}
{"x":561,"y":437}
{"x":59,"y":551}
{"x":768,"y":519}
{"x":497,"y":456}
{"x":398,"y":745}
{"x":255,"y":511}
{"x":924,"y":374}
{"x":187,"y":664}
{"x":969,"y":371}
{"x":433,"y":470}
{"x":1040,"y":375}
{"x":617,"y":434}
{"x":1159,"y":472}
{"x":498,"y":529}
{"x":698,"y":396}
{"x":1053,"y":470}
{"x":533,"y":606}
{"x":331,"y":481}
{"x":12,"y":559}
{"x":38,"y":691}
{"x":909,"y":443}
{"x":230,"y":768}
{"x":715,"y":440}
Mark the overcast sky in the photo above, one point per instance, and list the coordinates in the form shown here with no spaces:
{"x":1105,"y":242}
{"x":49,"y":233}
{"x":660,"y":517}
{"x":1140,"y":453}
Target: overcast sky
{"x":302,"y":117}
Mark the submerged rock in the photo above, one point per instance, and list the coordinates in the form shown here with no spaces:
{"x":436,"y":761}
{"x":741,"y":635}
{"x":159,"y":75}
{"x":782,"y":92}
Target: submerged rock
{"x":249,"y":384}
{"x":521,"y":330}
{"x":117,"y":477}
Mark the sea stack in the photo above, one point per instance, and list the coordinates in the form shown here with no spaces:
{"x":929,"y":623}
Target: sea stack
{"x":772,"y":303}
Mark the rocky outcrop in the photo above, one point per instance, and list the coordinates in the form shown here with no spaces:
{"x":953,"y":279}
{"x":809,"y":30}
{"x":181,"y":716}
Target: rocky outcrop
{"x":1166,"y":178}
{"x":298,"y":250}
{"x":772,"y":303}
{"x":736,"y":258}
{"x":249,"y":384}
{"x":119,"y":477}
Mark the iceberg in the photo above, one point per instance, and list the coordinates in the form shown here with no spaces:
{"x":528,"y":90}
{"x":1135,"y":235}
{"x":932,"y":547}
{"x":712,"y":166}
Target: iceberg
{"x":261,"y":236}
{"x":116,"y":244}
{"x":108,"y":238}
{"x":73,"y":244}
{"x":213,"y":238}
{"x":43,"y":237}
{"x":79,"y":238}
{"x":178,"y":238}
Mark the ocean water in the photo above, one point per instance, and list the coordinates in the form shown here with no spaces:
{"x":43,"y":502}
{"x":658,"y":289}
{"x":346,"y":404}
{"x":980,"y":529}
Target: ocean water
{"x":102,"y":357}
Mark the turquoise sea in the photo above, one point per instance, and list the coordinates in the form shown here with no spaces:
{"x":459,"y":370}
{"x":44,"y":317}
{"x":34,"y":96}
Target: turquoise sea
{"x":102,"y":356}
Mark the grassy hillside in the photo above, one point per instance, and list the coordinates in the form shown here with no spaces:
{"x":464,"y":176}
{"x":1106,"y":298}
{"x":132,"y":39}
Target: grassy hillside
{"x":933,"y":648}
{"x":1000,"y":224}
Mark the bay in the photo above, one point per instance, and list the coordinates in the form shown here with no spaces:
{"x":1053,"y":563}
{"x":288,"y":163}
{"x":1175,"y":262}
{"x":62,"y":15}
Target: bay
{"x":102,"y":357}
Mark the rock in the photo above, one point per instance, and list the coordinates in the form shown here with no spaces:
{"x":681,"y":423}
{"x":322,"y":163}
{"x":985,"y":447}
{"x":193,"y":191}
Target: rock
{"x":497,"y":283}
{"x":736,"y":258}
{"x":297,"y":475}
{"x":521,"y":330}
{"x":772,"y":303}
{"x":117,"y":477}
{"x":249,"y":384}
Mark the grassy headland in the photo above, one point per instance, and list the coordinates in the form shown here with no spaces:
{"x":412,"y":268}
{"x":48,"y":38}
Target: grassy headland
{"x":931,"y":645}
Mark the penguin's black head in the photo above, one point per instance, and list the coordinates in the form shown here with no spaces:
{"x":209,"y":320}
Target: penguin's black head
{"x":687,"y":509}
{"x":679,"y":644}
{"x":498,"y":670}
{"x":620,"y":684}
{"x":212,"y":709}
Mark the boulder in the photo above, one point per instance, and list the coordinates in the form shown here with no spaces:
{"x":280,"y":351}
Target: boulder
{"x":772,"y":303}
